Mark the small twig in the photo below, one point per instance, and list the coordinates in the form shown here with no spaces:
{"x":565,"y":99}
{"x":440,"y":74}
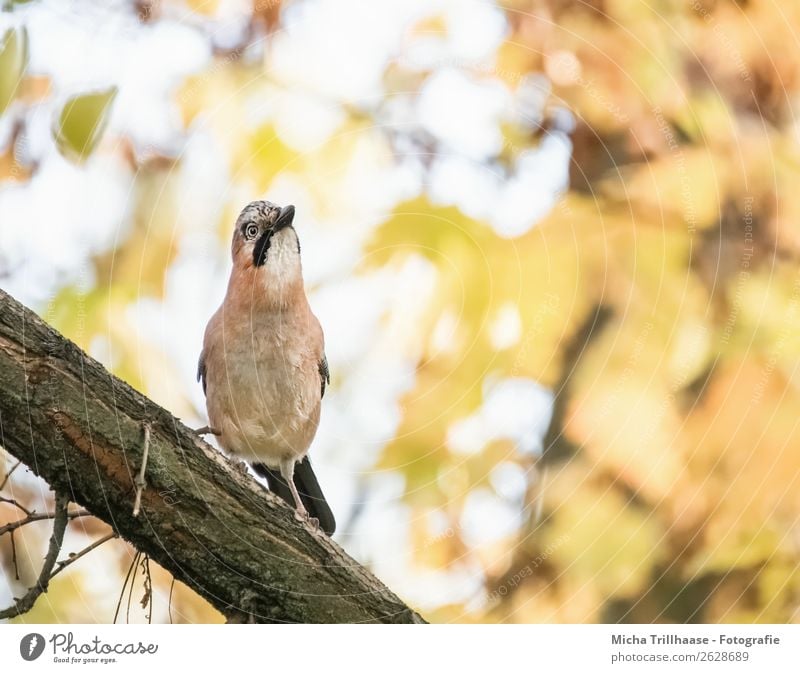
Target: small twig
{"x":140,"y":482}
{"x":8,"y":474}
{"x":36,"y":516}
{"x":27,"y":601}
{"x":147,"y":598}
{"x":208,"y":430}
{"x":14,"y":556}
{"x":130,"y":589}
{"x":11,"y":501}
{"x":169,"y":602}
{"x":124,"y":585}
{"x":74,"y":557}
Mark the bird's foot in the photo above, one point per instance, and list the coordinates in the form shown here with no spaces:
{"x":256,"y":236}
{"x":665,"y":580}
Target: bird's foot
{"x":208,"y":430}
{"x":303,"y":517}
{"x":241,"y":467}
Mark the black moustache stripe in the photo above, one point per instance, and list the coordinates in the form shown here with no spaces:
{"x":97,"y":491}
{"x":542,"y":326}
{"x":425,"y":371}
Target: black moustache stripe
{"x":260,"y":249}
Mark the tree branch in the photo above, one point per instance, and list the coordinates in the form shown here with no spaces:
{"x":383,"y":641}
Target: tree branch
{"x":89,"y":548}
{"x":8,"y":474}
{"x":38,"y":516}
{"x":215,"y":529}
{"x":59,"y":526}
{"x":19,"y":506}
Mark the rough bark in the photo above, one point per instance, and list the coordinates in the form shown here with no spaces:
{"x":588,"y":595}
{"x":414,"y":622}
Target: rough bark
{"x":215,"y":528}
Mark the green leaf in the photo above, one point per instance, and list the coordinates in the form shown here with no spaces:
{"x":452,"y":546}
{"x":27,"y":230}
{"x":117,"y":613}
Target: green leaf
{"x":82,"y":122}
{"x":13,"y":59}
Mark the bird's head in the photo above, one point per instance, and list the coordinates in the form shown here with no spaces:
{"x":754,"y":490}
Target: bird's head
{"x":265,"y":247}
{"x":264,"y":234}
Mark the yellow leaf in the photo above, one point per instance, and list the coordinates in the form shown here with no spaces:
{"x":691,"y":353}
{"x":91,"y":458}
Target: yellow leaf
{"x":82,"y":122}
{"x":13,"y":59}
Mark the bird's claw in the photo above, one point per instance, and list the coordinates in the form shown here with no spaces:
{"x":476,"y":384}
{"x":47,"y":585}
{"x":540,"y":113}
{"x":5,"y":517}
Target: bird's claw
{"x":208,"y":430}
{"x":303,"y":517}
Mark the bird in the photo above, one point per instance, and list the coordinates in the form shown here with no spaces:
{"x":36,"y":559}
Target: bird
{"x":263,"y":367}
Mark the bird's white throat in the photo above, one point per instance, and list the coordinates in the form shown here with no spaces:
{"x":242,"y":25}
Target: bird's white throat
{"x":282,"y":270}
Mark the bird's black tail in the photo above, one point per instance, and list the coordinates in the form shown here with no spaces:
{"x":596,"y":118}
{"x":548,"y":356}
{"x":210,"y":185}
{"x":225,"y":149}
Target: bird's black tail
{"x":307,"y":486}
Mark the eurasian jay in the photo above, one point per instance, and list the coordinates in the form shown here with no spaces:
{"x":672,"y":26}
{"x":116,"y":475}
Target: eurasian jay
{"x":263,"y":365}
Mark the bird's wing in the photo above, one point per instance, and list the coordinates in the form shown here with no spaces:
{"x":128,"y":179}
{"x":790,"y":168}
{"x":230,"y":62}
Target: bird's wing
{"x":201,"y":370}
{"x":324,"y":374}
{"x":209,"y":340}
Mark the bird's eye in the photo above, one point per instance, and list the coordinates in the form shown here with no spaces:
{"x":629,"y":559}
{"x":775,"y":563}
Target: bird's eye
{"x":251,"y":232}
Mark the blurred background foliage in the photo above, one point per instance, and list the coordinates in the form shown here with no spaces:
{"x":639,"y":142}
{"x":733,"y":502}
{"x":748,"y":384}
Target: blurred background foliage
{"x":550,"y":243}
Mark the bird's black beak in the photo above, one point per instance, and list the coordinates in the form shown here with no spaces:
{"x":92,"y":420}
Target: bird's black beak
{"x":285,"y":218}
